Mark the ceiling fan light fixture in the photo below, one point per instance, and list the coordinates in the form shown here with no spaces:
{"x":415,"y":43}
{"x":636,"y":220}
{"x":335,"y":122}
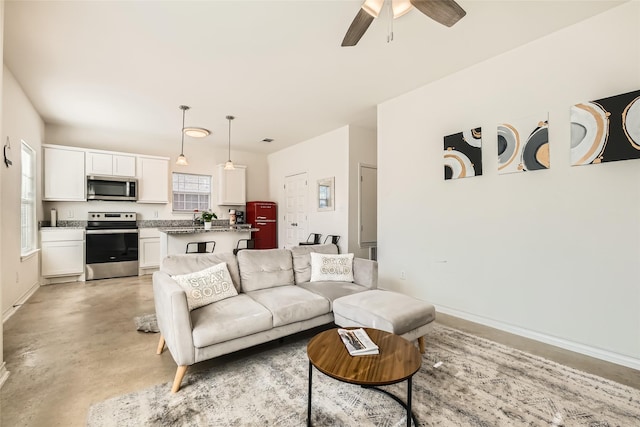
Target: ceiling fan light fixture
{"x":373,"y":7}
{"x":195,"y":132}
{"x":401,"y":7}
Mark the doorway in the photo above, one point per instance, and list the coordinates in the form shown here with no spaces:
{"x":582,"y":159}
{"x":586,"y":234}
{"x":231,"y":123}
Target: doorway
{"x":296,"y":215}
{"x":368,"y":206}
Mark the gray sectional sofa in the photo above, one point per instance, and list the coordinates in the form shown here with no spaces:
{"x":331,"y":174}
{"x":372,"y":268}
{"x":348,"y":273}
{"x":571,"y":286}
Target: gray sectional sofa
{"x":275,"y":299}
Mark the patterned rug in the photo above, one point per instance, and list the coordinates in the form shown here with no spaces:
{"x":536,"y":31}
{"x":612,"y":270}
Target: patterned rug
{"x":147,"y":323}
{"x":479,"y":383}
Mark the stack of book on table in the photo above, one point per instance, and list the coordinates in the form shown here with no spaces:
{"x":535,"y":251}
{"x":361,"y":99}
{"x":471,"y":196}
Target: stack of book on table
{"x":358,"y":342}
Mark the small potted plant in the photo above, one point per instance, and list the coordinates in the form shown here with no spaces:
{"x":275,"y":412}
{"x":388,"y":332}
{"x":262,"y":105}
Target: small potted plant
{"x":207,"y":216}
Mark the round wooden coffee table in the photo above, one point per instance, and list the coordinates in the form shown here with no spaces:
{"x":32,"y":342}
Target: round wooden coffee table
{"x":397,"y":361}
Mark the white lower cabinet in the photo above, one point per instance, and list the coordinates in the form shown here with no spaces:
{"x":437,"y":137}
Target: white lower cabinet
{"x":148,"y":250}
{"x":62,"y":254}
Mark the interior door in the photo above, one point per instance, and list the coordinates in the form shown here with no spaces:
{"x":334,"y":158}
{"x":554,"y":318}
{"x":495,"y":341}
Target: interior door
{"x":368,"y":206}
{"x":295,"y":219}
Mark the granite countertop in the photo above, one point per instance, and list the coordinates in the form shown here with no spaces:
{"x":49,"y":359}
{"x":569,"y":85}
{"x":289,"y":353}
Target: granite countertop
{"x":200,"y":229}
{"x":172,"y":226}
{"x":45,"y":228}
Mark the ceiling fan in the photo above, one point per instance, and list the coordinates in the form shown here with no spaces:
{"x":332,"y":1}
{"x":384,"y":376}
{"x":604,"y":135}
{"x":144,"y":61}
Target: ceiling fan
{"x":446,"y":12}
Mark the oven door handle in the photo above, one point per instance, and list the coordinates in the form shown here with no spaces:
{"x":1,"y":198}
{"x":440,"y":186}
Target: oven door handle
{"x":125,"y":231}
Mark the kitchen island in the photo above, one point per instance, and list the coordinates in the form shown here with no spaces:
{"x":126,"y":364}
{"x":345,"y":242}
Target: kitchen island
{"x":174,"y":240}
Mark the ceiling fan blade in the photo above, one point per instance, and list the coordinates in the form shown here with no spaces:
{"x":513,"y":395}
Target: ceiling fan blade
{"x":357,"y":28}
{"x":446,"y":12}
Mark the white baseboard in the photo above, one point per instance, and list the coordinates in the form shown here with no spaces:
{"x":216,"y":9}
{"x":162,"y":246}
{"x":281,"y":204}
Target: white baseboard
{"x":4,"y":374}
{"x":16,"y":305}
{"x":598,"y":353}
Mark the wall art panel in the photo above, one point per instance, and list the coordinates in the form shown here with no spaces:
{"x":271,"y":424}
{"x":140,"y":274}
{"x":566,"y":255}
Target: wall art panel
{"x":523,"y":145}
{"x":463,"y":154}
{"x":606,"y":130}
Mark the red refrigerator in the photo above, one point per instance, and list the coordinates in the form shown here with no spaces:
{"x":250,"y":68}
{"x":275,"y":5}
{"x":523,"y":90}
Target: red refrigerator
{"x":263,"y":215}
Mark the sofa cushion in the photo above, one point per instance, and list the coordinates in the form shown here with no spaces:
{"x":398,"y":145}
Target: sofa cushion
{"x":289,"y":304}
{"x":302,"y":259}
{"x":183,"y":264}
{"x":231,"y":318}
{"x":209,"y":285}
{"x":333,"y":290}
{"x":261,"y":269}
{"x":331,"y":268}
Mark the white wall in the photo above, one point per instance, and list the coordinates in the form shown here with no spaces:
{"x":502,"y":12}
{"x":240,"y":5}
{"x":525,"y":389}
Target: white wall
{"x":21,"y":122}
{"x":3,"y":370}
{"x":362,"y":150}
{"x":548,"y":254}
{"x":200,"y":153}
{"x":321,"y":157}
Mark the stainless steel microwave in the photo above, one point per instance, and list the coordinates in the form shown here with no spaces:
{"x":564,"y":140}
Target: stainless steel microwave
{"x":112,"y":188}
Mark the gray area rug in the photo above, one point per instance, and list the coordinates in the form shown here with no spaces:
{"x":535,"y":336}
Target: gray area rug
{"x":480,"y":383}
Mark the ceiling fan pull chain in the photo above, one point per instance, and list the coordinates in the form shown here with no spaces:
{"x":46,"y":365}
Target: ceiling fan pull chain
{"x":390,"y":17}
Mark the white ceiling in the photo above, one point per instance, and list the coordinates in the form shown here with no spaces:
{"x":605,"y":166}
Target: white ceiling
{"x":276,"y":65}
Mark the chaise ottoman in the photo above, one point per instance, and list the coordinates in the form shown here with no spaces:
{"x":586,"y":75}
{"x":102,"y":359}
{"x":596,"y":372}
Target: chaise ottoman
{"x":385,"y":310}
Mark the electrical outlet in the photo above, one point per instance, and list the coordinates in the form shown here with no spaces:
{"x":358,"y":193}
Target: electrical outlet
{"x":17,"y":277}
{"x":70,"y":213}
{"x":403,"y":275}
{"x":155,"y":214}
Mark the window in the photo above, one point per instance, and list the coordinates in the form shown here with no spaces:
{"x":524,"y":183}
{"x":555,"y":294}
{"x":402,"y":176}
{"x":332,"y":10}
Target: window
{"x":191,"y":192}
{"x":28,"y":200}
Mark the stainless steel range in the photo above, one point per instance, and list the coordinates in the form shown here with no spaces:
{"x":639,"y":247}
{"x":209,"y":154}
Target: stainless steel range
{"x":111,"y":245}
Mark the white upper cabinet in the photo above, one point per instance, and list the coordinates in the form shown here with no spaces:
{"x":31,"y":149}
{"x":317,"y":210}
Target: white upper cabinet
{"x":99,"y":163}
{"x":232,"y":185}
{"x":124,"y":165}
{"x":153,"y":180}
{"x":66,"y":170}
{"x":64,"y":174}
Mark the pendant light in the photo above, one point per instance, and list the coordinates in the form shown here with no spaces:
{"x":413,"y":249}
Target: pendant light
{"x":182,"y":160}
{"x":229,"y":165}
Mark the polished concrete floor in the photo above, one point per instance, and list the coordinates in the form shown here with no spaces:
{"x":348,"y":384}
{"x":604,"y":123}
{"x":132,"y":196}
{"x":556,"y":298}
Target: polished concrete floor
{"x":72,"y":345}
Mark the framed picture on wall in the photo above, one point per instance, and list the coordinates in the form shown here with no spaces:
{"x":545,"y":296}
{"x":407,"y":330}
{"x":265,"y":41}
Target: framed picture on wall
{"x":326,"y":197}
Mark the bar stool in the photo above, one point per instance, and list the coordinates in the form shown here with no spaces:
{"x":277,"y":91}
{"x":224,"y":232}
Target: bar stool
{"x":313,"y":239}
{"x":334,"y":239}
{"x":249,"y":244}
{"x":200,"y":247}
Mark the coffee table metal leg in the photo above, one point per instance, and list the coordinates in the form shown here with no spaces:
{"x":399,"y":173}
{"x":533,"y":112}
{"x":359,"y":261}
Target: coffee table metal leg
{"x":309,"y":396}
{"x":409,"y":413}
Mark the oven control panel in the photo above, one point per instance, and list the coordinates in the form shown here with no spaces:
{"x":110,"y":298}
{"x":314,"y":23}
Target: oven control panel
{"x":112,"y":216}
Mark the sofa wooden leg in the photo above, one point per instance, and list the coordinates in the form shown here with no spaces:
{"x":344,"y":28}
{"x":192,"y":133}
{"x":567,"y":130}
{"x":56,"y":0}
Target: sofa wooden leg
{"x":178,"y":379}
{"x":421,"y":344}
{"x":160,"y":345}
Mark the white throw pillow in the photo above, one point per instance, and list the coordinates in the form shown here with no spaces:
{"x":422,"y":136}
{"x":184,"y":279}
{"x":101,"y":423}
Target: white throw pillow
{"x":206,"y":286}
{"x":331,"y":268}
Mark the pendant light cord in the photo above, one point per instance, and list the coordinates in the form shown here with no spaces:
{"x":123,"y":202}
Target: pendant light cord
{"x":182,"y":132}
{"x":184,"y":109}
{"x":230,"y":118}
